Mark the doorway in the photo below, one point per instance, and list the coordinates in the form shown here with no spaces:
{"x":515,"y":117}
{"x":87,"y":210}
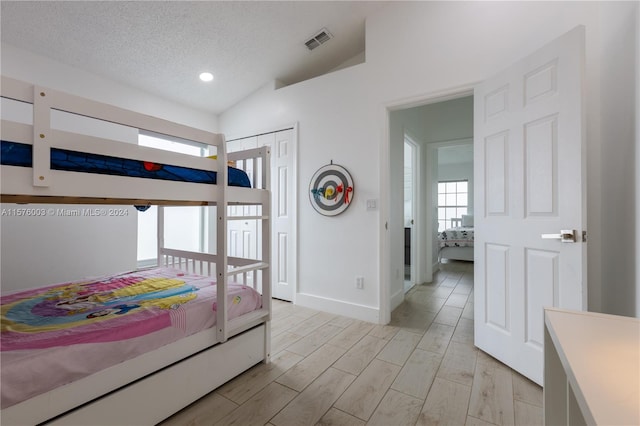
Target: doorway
{"x":455,"y":182}
{"x":433,"y":122}
{"x":528,"y":118}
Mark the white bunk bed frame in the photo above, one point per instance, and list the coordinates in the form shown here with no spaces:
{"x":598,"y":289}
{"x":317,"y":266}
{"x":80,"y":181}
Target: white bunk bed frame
{"x":155,"y":385}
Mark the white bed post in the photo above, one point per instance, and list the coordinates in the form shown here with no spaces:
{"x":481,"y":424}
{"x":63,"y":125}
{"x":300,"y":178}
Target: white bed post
{"x":161,"y":261}
{"x":222,"y":262}
{"x":266,"y":248}
{"x":41,"y":137}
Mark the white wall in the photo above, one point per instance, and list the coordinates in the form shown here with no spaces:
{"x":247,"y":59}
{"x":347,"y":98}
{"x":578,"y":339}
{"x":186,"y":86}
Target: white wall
{"x":618,"y":216}
{"x":56,"y":248}
{"x":419,"y":49}
{"x":637,"y":73}
{"x":332,"y":250}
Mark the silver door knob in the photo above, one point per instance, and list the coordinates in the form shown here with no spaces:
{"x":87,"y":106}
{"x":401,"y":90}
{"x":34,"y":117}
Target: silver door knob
{"x":565,"y":236}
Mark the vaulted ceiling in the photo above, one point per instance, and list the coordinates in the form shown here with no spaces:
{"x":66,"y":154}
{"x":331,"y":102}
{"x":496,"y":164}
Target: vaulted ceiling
{"x":162,"y":47}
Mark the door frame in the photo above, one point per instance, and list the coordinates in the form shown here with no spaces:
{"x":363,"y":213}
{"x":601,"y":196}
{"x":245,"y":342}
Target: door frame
{"x":415,"y":243}
{"x":386,"y":268}
{"x":293,"y":193}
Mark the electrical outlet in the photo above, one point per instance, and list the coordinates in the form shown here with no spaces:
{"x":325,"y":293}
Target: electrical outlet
{"x":360,"y":283}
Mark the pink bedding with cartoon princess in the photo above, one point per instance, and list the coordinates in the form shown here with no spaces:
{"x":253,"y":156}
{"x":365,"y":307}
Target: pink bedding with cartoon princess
{"x":54,"y":335}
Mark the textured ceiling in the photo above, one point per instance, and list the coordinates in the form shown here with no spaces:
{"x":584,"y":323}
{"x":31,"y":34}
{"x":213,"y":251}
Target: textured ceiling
{"x":161,"y":47}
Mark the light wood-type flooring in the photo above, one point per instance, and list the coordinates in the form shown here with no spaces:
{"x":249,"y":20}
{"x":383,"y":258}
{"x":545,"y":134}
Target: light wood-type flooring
{"x":421,"y":369}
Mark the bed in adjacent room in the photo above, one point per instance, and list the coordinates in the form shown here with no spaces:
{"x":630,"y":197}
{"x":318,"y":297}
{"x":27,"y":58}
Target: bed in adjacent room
{"x":456,"y":243}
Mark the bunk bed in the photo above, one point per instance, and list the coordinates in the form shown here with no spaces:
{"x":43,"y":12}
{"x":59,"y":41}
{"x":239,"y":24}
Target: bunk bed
{"x":153,"y":380}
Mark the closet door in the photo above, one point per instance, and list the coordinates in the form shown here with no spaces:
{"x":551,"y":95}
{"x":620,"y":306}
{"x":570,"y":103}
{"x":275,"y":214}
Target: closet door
{"x":283,"y":240}
{"x":244,"y":236}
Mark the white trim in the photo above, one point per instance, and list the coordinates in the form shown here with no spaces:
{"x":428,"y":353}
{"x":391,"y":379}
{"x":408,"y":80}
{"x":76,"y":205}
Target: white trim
{"x":416,"y":212}
{"x":385,"y":202}
{"x":339,"y":307}
{"x":397,"y":298}
{"x":431,"y":190}
{"x":294,"y":216}
{"x":431,"y":97}
{"x":453,"y":142}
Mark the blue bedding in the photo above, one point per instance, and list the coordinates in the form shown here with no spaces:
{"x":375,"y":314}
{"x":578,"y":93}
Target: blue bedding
{"x":20,"y":154}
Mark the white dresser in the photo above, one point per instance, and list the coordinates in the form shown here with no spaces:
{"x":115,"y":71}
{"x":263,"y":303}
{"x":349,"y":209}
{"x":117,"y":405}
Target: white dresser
{"x":591,"y":369}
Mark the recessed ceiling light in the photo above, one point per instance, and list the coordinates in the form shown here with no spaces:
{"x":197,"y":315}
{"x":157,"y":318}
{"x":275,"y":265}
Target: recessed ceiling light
{"x":206,"y":76}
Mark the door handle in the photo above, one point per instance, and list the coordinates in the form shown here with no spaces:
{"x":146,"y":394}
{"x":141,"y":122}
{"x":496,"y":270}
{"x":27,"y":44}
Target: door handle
{"x":565,"y":236}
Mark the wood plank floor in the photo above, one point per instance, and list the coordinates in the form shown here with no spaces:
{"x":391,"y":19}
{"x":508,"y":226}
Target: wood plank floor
{"x":421,"y":369}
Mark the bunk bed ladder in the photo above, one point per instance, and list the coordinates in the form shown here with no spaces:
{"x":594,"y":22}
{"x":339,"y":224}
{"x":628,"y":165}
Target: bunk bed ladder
{"x":266,"y":247}
{"x":227,"y":268}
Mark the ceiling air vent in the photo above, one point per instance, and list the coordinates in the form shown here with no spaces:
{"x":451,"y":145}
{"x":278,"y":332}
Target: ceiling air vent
{"x":322,"y":37}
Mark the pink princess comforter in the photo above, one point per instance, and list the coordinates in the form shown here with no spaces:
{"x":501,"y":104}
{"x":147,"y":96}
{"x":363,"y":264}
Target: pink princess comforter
{"x":54,"y":335}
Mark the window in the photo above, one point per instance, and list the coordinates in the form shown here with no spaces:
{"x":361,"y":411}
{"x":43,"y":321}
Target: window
{"x":453,"y":200}
{"x":185,"y":227}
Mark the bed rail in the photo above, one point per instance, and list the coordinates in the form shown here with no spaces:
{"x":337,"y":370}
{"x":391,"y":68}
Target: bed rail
{"x":250,"y":272}
{"x":240,"y":270}
{"x":45,"y":100}
{"x":37,"y":182}
{"x":256,"y":159}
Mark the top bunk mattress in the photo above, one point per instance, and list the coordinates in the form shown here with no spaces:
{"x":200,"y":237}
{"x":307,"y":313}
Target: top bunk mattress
{"x":20,"y":154}
{"x":57,"y":334}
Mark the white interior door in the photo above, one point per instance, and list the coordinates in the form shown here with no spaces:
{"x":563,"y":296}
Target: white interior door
{"x":283,"y":241}
{"x":244,"y":236}
{"x":529,"y":166}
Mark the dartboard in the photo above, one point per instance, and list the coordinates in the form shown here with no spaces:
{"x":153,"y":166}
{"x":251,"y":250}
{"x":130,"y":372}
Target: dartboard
{"x":331,"y":190}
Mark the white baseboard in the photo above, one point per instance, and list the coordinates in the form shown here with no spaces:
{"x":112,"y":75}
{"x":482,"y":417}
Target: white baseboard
{"x":339,"y":307}
{"x":397,"y":298}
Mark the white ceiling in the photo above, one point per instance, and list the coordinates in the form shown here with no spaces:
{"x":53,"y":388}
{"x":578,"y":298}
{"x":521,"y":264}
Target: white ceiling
{"x":458,"y":154}
{"x":161,"y":47}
